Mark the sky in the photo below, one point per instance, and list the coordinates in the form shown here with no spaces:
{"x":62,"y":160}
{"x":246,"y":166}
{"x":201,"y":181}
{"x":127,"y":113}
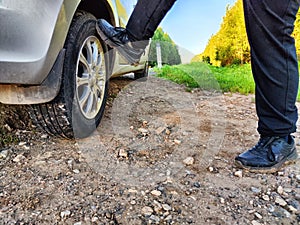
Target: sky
{"x":190,"y":23}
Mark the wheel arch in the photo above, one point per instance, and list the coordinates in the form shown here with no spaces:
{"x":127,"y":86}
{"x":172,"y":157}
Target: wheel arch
{"x":100,"y":9}
{"x":39,"y":71}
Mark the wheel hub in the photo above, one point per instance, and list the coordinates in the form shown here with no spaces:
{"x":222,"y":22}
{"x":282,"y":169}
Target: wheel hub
{"x":90,"y":89}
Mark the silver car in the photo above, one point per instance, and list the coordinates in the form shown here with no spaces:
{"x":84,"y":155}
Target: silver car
{"x":52,"y":59}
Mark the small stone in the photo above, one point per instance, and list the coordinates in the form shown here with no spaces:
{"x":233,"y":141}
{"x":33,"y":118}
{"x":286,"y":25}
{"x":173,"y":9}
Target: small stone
{"x":255,"y":190}
{"x":166,"y":207}
{"x":238,"y":174}
{"x":159,"y":130}
{"x":168,"y":132}
{"x":298,"y":177}
{"x":280,"y":201}
{"x":251,"y":211}
{"x":65,"y":213}
{"x":184,"y":133}
{"x":26,"y":147}
{"x":280,"y":190}
{"x":156,"y":193}
{"x":295,"y":204}
{"x":19,"y":158}
{"x":266,"y":197}
{"x":254,"y":222}
{"x":76,"y":171}
{"x":132,"y":191}
{"x":147,"y":211}
{"x":8,"y":127}
{"x":133,"y":202}
{"x":154,"y":218}
{"x":157,"y":206}
{"x":222,"y":200}
{"x":4,"y":153}
{"x":258,"y":216}
{"x":280,"y":173}
{"x":169,"y":218}
{"x":292,"y":209}
{"x":271,"y":209}
{"x":197,"y":185}
{"x":210,"y":169}
{"x":143,"y":130}
{"x":288,"y":190}
{"x":95,"y":219}
{"x":123,"y":153}
{"x":22,"y":143}
{"x":145,"y":123}
{"x":177,"y":142}
{"x":77,"y":223}
{"x":189,"y":161}
{"x":44,"y":136}
{"x":281,"y":213}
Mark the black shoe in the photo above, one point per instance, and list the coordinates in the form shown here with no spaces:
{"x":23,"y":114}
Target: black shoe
{"x":120,"y":39}
{"x":268,"y":155}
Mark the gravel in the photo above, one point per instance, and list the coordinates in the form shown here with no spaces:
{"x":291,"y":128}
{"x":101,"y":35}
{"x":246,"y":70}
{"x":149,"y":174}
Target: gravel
{"x":166,"y":158}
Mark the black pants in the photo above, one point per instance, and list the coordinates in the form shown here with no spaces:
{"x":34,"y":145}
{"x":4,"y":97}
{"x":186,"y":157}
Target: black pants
{"x":146,"y":17}
{"x":269,"y":25}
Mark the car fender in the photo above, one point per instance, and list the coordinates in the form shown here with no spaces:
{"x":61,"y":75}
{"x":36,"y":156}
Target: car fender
{"x":32,"y":35}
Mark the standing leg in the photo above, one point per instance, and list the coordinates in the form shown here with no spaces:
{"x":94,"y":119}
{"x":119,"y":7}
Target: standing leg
{"x":269,"y":25}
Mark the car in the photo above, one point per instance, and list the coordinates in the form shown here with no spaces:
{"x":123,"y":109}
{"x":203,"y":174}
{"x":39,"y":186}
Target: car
{"x":53,"y":60}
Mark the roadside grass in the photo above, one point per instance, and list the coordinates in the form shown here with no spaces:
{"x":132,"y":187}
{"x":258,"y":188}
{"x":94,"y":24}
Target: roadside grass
{"x":235,"y":79}
{"x":207,"y":77}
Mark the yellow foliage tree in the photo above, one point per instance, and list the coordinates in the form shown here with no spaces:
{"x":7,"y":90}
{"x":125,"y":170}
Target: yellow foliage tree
{"x":230,"y":44}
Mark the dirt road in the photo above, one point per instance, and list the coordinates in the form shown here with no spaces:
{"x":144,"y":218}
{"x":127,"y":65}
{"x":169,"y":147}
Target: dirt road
{"x":160,"y":156}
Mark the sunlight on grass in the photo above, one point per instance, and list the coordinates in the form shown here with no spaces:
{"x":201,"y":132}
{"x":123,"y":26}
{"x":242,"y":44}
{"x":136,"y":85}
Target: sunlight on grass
{"x":236,"y":79}
{"x":206,"y":77}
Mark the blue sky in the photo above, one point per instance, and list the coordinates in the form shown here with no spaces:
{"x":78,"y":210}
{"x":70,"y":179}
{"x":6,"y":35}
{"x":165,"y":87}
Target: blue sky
{"x":190,"y":23}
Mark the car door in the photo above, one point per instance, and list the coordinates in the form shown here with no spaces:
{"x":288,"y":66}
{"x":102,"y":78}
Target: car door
{"x":124,"y":9}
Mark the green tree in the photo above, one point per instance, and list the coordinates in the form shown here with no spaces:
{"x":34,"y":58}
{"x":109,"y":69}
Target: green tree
{"x":169,"y":50}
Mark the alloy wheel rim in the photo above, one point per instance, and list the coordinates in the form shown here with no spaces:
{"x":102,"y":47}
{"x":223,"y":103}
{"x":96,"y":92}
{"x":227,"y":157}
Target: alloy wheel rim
{"x":90,"y":77}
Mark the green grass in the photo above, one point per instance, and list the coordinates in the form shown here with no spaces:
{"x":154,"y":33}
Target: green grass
{"x":235,"y":79}
{"x":201,"y":75}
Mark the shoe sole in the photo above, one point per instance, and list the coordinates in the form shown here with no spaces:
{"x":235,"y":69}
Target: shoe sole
{"x":290,"y":159}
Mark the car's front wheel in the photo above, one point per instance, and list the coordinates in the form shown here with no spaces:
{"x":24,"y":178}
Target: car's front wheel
{"x":79,"y":107}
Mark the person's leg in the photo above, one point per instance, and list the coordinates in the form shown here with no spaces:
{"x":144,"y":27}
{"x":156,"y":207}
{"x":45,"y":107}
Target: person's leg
{"x":269,"y":25}
{"x":131,"y":41}
{"x":146,"y":17}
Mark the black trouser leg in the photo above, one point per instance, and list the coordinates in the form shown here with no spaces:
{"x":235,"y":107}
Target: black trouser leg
{"x":269,"y":25}
{"x":146,"y":17}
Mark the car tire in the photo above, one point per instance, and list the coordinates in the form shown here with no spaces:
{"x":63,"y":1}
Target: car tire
{"x":142,"y":75}
{"x":78,"y":108}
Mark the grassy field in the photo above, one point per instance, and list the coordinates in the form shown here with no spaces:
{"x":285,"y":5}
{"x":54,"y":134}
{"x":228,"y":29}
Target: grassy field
{"x":237,"y":79}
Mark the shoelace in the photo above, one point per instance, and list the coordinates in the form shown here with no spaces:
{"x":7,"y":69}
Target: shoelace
{"x":263,"y":141}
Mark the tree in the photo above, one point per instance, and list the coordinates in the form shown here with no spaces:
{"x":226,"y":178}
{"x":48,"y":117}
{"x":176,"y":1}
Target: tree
{"x":230,"y":44}
{"x":169,"y":50}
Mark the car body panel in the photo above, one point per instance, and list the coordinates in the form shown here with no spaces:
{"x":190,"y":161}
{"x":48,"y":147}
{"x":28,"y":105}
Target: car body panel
{"x":33,"y":35}
{"x":31,"y":42}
